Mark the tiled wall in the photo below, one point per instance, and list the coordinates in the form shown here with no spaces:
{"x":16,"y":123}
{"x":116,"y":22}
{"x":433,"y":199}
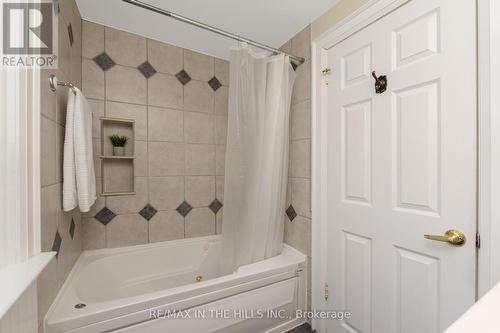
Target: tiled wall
{"x":61,"y":232}
{"x":178,"y":99}
{"x":298,"y":219}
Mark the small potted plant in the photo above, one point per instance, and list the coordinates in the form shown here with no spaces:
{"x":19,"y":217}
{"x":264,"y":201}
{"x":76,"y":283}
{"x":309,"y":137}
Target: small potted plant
{"x":118,"y":143}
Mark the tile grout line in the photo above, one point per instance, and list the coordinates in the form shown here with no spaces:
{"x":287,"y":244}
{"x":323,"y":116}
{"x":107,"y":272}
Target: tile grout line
{"x":184,"y":136}
{"x":147,"y":137}
{"x":102,"y":141}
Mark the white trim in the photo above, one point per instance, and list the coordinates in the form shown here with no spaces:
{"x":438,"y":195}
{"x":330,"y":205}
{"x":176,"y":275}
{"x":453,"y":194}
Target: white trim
{"x":360,"y":18}
{"x":318,"y":188}
{"x":484,"y":143}
{"x":489,"y":144}
{"x":33,"y":160}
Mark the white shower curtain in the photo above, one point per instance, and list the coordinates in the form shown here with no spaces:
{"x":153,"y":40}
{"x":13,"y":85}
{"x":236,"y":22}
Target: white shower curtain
{"x":256,"y":169}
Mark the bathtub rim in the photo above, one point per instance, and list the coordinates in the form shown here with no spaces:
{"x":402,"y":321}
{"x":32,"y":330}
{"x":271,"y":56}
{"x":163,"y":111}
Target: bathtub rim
{"x":266,"y":275}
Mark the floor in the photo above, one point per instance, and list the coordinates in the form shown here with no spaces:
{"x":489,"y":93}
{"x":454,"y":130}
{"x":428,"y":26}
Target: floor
{"x":306,"y":328}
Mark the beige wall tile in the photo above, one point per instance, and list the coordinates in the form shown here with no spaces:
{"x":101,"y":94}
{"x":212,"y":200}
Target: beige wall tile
{"x":130,"y":111}
{"x":92,"y":39}
{"x":64,"y":54}
{"x":118,"y":175}
{"x":165,"y":90}
{"x":47,"y":96}
{"x":199,"y":97}
{"x":218,"y":221}
{"x":301,"y":120}
{"x":125,"y":48}
{"x":96,"y":149}
{"x":219,"y":188}
{"x":97,"y":107}
{"x":48,"y":162}
{"x":165,"y":58}
{"x":165,"y":124}
{"x":287,"y":46}
{"x":92,"y":80}
{"x":200,"y":222}
{"x":198,"y":66}
{"x":222,"y":71}
{"x":166,"y":159}
{"x":301,"y":43}
{"x":94,"y":234}
{"x":301,"y":196}
{"x":302,"y":86}
{"x":220,"y":130}
{"x":59,"y":152}
{"x":166,"y":225}
{"x":70,"y":249}
{"x":53,"y":110}
{"x":127,"y":230}
{"x":76,"y":65}
{"x":48,"y":215}
{"x":166,"y":193}
{"x":300,"y":159}
{"x":61,"y":99}
{"x":220,"y":160}
{"x":129,"y":204}
{"x":298,"y":234}
{"x":141,"y":158}
{"x":200,"y":190}
{"x":221,"y":100}
{"x":200,"y":160}
{"x":125,"y":84}
{"x":198,"y":127}
{"x":99,"y":203}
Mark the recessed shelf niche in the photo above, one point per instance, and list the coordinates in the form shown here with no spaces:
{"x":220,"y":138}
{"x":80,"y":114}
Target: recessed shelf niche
{"x":117,"y":171}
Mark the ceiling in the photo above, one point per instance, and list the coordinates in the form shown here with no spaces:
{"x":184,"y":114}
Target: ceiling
{"x":271,"y":22}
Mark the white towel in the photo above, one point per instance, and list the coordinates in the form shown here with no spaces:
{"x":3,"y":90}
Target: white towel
{"x":79,"y":187}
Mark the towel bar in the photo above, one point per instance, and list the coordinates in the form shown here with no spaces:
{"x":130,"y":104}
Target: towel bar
{"x":53,"y":82}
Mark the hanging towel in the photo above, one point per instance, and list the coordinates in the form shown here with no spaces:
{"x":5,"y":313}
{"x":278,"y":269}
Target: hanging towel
{"x":79,"y":186}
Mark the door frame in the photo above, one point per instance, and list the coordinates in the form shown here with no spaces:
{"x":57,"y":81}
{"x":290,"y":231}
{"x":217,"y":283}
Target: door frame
{"x":488,"y":159}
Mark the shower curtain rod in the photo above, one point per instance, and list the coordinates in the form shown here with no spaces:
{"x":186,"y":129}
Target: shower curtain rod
{"x":295,"y":59}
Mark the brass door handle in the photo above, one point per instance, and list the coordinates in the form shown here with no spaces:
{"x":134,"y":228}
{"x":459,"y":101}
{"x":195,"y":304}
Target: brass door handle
{"x":454,"y":237}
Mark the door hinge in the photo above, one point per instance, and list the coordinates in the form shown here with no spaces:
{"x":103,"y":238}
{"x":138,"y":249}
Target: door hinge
{"x":326,"y":292}
{"x":478,"y":240}
{"x":326,"y":71}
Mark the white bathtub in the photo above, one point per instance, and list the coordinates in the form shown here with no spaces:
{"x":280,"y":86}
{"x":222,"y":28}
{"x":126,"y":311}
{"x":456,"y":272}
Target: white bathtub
{"x":122,"y":288}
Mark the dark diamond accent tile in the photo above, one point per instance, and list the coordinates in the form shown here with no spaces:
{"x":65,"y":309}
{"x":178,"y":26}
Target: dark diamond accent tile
{"x":290,"y":212}
{"x":72,"y":228}
{"x":147,"y":70}
{"x":56,"y":246}
{"x":105,"y":215}
{"x":70,"y":33}
{"x":214,"y":83}
{"x":215,"y":206}
{"x":148,"y":212}
{"x":183,"y":77}
{"x":184,"y":208}
{"x":104,"y":61}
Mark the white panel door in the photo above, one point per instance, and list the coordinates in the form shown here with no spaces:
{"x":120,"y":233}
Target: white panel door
{"x":402,"y":164}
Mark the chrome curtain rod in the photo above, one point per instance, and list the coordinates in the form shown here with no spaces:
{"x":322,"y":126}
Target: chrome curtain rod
{"x":295,"y":59}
